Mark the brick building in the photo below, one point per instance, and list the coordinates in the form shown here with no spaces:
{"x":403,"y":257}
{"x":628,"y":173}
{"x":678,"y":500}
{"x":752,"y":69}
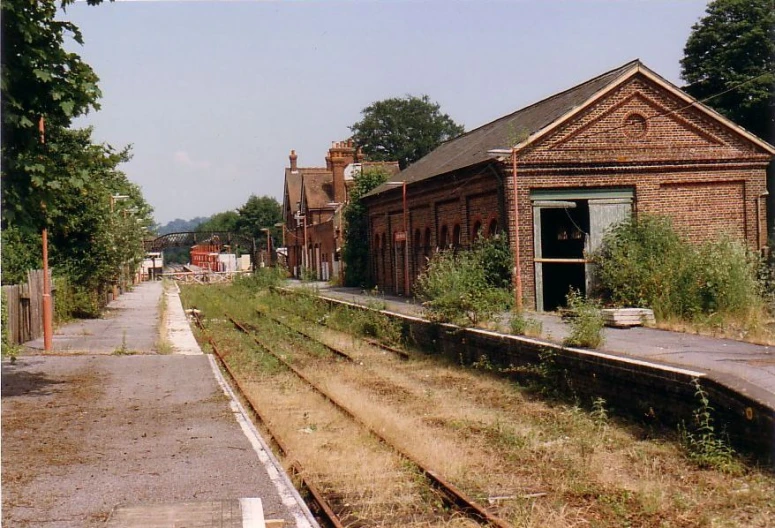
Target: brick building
{"x":313,"y":199}
{"x":625,"y":142}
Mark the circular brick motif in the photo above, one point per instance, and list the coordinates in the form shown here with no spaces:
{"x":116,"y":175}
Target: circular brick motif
{"x":635,"y":126}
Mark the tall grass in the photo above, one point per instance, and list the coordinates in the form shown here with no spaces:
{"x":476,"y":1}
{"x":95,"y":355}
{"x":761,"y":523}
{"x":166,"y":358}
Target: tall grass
{"x":645,"y":263}
{"x":466,"y":287}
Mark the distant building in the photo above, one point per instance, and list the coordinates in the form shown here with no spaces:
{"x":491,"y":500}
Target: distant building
{"x":313,"y":200}
{"x":626,"y":142}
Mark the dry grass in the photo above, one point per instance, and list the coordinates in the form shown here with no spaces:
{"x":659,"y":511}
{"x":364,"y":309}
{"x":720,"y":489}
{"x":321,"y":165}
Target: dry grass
{"x":757,"y":327}
{"x":163,"y":345}
{"x":541,"y":464}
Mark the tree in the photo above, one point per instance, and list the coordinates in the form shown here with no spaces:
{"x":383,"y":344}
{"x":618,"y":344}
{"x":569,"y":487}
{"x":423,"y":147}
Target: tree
{"x":258,"y":213}
{"x":39,"y":79}
{"x":221,"y":222}
{"x":403,"y":129}
{"x":355,"y":252}
{"x":733,"y":44}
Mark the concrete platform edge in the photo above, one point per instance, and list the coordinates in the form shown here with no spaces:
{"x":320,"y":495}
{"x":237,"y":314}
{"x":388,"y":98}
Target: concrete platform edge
{"x":288,"y":493}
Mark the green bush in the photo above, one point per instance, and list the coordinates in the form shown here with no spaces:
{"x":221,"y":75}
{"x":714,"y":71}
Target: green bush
{"x":644,"y":263}
{"x":525,"y":326}
{"x":75,"y":301}
{"x":458,"y":288}
{"x":262,"y":278}
{"x":586,"y":322}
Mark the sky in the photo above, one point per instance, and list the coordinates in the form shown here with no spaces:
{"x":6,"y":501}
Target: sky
{"x":213,"y":95}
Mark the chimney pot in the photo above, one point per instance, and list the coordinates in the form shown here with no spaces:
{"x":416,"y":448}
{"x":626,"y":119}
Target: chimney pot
{"x":293,"y":157}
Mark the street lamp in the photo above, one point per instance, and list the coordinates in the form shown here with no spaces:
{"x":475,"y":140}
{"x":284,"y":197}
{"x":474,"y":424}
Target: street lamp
{"x":404,"y":236}
{"x":301,"y":217}
{"x":268,"y":243}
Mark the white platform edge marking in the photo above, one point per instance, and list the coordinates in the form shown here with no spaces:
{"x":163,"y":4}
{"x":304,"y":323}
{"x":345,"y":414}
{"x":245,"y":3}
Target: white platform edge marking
{"x":580,"y":351}
{"x":288,"y":494}
{"x":252,"y":513}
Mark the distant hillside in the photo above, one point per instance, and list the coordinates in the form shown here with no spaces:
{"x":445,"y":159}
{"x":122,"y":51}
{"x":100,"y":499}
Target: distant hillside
{"x":179,"y":225}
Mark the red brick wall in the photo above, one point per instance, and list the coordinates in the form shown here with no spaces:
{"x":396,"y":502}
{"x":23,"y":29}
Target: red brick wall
{"x":679,"y":161}
{"x":472,"y":195}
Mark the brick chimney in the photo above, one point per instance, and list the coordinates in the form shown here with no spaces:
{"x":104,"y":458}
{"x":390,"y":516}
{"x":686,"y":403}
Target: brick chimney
{"x":341,"y":154}
{"x":293,"y":157}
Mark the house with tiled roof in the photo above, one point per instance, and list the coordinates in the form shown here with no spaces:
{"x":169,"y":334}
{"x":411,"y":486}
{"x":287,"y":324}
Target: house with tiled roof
{"x":555,"y":175}
{"x":313,"y":201}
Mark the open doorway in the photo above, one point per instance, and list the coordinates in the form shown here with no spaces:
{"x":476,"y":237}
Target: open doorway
{"x":568,"y":225}
{"x":564,"y":231}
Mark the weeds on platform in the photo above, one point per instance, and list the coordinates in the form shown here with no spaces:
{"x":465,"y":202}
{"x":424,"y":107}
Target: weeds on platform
{"x":703,"y":445}
{"x":586,"y":322}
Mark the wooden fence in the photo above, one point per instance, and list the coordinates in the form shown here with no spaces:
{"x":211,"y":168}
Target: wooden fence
{"x":24,"y":305}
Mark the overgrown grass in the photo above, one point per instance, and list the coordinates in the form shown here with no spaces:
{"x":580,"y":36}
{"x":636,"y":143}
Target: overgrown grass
{"x":163,"y":345}
{"x":718,"y":286}
{"x":521,"y":325}
{"x":702,"y":444}
{"x":557,"y":464}
{"x":586,"y":322}
{"x":9,"y":350}
{"x":465,"y":287}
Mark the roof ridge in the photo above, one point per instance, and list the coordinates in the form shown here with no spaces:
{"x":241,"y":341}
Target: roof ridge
{"x":621,"y":69}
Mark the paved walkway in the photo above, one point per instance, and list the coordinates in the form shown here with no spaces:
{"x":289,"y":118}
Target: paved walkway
{"x":744,"y":367}
{"x":104,"y":430}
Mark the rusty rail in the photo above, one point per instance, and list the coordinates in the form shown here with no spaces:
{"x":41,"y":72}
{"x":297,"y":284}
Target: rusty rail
{"x":328,"y":347}
{"x":323,"y":507}
{"x":454,"y":495}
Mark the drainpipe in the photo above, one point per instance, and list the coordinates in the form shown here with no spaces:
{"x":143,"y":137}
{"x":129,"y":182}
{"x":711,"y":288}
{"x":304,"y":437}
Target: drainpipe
{"x":759,"y":199}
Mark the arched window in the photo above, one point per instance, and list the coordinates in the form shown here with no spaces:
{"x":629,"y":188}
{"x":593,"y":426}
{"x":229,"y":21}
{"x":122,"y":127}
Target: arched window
{"x":376,"y":241}
{"x":427,"y":239}
{"x":417,"y":240}
{"x":475,"y":232}
{"x":443,"y":237}
{"x":456,"y":235}
{"x":384,"y":243}
{"x":493,"y":228}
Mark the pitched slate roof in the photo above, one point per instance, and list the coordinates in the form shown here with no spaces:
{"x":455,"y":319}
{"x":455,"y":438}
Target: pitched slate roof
{"x":293,"y":181}
{"x":318,"y":188}
{"x":472,"y":147}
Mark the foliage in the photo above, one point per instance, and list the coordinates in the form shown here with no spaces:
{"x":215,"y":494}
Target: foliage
{"x":367,"y":322}
{"x":702,"y":445}
{"x":496,"y":259}
{"x":66,"y":183}
{"x":39,"y":79}
{"x":455,"y":287}
{"x":525,"y":326}
{"x":644,"y":263}
{"x":225,"y":222}
{"x":179,"y":225}
{"x":257,"y":213}
{"x":403,"y":129}
{"x":734,"y":43}
{"x":262,"y":278}
{"x":21,"y":252}
{"x":586,"y":323}
{"x":6,"y":347}
{"x":355,"y":252}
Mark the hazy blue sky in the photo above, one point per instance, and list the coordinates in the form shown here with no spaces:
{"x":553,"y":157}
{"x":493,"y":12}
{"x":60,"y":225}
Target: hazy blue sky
{"x":214,"y":94}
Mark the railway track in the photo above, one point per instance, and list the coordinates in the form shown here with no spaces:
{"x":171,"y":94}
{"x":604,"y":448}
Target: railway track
{"x":402,"y":354}
{"x":453,"y":496}
{"x":327,"y":504}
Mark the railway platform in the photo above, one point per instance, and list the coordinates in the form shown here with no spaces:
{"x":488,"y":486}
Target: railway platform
{"x":105,"y":430}
{"x":746,"y":368}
